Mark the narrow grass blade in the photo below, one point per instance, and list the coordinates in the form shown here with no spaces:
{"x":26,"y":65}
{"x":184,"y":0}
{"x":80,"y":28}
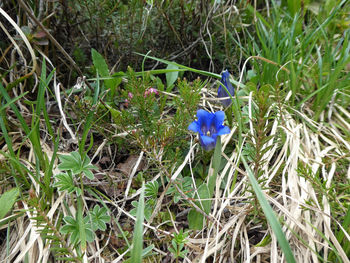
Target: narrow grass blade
{"x":20,"y":175}
{"x":89,"y":118}
{"x":13,"y":101}
{"x":137,"y":242}
{"x":202,"y":72}
{"x":80,"y":220}
{"x":271,"y":218}
{"x":216,"y":165}
{"x":32,"y":134}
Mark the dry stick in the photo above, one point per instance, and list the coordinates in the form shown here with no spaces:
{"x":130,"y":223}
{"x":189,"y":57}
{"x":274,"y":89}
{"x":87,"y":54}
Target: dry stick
{"x":171,"y":27}
{"x":159,"y":204}
{"x":5,"y":52}
{"x":53,"y":40}
{"x":133,"y":172}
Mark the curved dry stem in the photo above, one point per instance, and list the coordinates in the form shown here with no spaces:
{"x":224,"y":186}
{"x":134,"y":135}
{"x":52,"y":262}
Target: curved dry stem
{"x":25,"y":40}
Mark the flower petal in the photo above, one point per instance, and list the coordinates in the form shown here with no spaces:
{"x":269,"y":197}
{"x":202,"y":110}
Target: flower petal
{"x":202,"y":115}
{"x":194,"y":127}
{"x":207,"y":142}
{"x":219,"y":119}
{"x":225,"y":79}
{"x":223,"y":130}
{"x":204,"y":119}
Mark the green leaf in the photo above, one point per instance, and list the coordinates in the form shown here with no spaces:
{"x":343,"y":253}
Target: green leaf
{"x":264,"y":242}
{"x":7,"y":200}
{"x":203,"y":193}
{"x":185,"y":184}
{"x":147,"y":210}
{"x":216,"y":167}
{"x":195,"y":220}
{"x":71,"y":162}
{"x":185,"y":68}
{"x":81,"y":224}
{"x":145,"y":253}
{"x":76,"y":164}
{"x":271,"y":217}
{"x":151,"y":189}
{"x":137,"y":241}
{"x":88,"y":174}
{"x":99,"y":63}
{"x":99,"y":217}
{"x":102,"y":68}
{"x":171,"y":77}
{"x":65,"y":182}
{"x":79,"y":229}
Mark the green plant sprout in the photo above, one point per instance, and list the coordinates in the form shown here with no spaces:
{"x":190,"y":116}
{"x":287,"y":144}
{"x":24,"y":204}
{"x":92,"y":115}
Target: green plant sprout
{"x":177,"y":245}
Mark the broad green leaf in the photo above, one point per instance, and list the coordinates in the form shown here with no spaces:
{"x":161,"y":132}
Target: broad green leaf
{"x":88,"y":174}
{"x":171,"y":77}
{"x":102,"y":68}
{"x":99,"y":63}
{"x":195,"y":220}
{"x":72,"y":227}
{"x":70,"y":162}
{"x":203,"y":193}
{"x":81,"y":224}
{"x":216,"y":166}
{"x":7,"y":200}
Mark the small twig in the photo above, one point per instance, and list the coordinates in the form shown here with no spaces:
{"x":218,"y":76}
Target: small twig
{"x":159,"y":204}
{"x":133,"y":172}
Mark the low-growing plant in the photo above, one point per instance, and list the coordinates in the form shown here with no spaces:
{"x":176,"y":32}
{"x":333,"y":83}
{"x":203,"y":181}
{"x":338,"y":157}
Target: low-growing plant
{"x":177,"y":245}
{"x":80,"y":228}
{"x":154,"y":121}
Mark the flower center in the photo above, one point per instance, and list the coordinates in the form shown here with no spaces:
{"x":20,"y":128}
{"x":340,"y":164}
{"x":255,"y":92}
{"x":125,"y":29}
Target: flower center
{"x":208,"y":131}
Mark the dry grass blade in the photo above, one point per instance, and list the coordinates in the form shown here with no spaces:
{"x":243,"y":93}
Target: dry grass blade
{"x":25,"y":40}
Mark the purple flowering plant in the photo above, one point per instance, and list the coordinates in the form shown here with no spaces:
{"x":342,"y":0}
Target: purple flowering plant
{"x":209,"y":126}
{"x":222,"y":93}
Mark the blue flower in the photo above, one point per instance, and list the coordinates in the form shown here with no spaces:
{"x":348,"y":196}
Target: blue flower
{"x":225,"y":79}
{"x":209,"y":126}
